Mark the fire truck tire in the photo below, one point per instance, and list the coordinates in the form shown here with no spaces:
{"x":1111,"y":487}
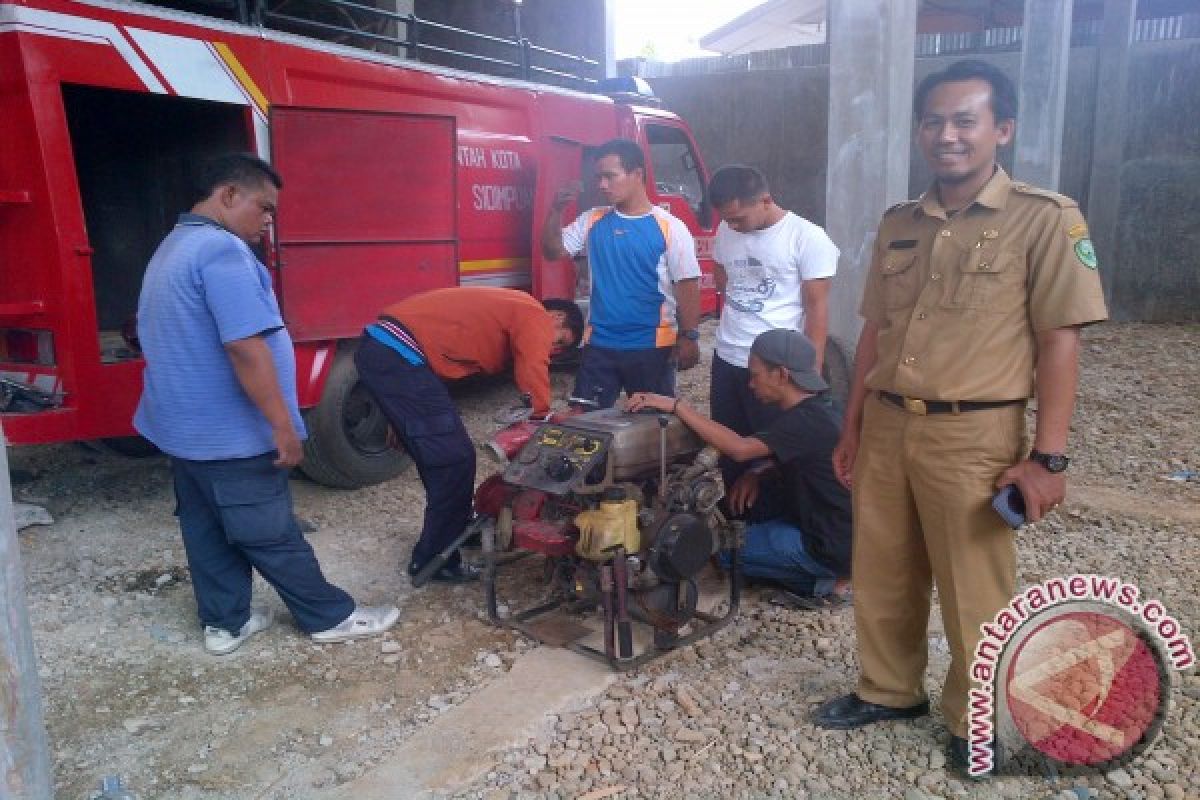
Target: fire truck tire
{"x":346,"y":446}
{"x":838,"y":371}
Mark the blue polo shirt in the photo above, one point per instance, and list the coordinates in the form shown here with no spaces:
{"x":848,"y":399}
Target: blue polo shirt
{"x":204,"y":287}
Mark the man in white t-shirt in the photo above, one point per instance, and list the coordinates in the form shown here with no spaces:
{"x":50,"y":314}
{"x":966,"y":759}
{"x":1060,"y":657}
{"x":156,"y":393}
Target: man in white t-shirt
{"x":774,"y":269}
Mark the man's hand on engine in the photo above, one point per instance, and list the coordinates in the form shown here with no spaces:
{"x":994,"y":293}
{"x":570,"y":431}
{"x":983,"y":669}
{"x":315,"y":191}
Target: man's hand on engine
{"x":655,"y":402}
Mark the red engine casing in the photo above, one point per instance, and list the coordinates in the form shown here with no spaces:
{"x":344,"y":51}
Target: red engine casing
{"x":493,"y":495}
{"x":547,"y":538}
{"x":530,"y":531}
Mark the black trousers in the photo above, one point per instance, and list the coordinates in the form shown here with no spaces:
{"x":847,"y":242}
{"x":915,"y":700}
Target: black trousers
{"x":419,"y":408}
{"x":604,"y":373}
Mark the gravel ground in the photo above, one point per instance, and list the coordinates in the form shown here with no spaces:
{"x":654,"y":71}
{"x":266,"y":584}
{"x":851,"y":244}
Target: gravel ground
{"x":129,"y":690}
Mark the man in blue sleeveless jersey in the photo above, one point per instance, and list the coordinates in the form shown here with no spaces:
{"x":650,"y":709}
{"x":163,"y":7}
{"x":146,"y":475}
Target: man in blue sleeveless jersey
{"x":645,"y":296}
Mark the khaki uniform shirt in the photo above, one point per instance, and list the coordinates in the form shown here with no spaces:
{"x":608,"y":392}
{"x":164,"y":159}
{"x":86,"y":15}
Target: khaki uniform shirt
{"x":959,"y":300}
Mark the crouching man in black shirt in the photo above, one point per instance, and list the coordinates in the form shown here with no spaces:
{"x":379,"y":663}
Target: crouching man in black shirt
{"x":803,"y":542}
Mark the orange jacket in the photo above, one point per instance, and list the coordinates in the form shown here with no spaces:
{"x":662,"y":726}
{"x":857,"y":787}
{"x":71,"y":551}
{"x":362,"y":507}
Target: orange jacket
{"x":468,"y":330}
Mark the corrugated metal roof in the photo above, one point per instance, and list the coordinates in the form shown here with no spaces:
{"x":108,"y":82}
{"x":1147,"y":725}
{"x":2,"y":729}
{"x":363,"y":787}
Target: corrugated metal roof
{"x":769,"y":26}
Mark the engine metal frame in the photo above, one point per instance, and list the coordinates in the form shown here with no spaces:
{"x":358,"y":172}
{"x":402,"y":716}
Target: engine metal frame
{"x":705,"y":624}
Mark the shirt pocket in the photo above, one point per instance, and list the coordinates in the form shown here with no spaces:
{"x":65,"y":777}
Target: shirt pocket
{"x":900,"y":281}
{"x":987,"y":280}
{"x":439,"y":440}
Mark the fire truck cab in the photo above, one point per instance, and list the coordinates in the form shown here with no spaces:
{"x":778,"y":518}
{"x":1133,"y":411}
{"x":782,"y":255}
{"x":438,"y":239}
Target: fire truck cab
{"x":398,"y":177}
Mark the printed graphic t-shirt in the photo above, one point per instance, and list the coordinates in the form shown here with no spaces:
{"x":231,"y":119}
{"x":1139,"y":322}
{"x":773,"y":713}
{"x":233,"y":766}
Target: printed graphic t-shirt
{"x":765,"y":270}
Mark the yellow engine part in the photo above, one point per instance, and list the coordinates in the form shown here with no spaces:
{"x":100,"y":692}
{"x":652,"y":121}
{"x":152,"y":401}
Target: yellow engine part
{"x":602,"y":530}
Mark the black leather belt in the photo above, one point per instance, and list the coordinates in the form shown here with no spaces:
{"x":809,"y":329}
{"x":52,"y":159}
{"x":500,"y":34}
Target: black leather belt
{"x":915,"y":406}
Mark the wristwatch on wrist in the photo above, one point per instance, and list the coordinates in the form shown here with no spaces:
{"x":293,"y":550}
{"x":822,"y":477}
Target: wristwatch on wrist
{"x":691,"y":333}
{"x":1052,"y":462}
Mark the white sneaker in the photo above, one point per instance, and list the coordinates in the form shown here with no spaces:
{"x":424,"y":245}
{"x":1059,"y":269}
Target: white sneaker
{"x":364,"y":621}
{"x":221,"y":642}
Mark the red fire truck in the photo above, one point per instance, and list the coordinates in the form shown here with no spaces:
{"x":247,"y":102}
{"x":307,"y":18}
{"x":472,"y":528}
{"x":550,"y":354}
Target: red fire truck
{"x":399,"y":177}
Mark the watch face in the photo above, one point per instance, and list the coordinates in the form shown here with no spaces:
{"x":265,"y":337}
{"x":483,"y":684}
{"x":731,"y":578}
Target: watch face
{"x":1053,"y":462}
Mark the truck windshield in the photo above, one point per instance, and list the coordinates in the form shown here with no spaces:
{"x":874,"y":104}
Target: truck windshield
{"x":676,"y":168}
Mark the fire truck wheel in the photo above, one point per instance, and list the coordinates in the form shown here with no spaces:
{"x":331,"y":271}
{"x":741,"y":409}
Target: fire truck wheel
{"x":347,"y":434}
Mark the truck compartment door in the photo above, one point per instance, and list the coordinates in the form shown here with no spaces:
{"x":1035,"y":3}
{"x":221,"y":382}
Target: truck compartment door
{"x":366,"y":215}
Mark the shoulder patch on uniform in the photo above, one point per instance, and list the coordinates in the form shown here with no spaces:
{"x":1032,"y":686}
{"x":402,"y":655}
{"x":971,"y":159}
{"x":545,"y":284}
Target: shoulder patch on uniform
{"x":1086,"y":253}
{"x":1077,"y":231}
{"x":1061,"y":200}
{"x":900,"y":205}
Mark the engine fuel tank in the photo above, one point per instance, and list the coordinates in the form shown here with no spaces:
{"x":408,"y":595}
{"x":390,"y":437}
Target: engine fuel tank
{"x":634,"y":448}
{"x":594,"y":450}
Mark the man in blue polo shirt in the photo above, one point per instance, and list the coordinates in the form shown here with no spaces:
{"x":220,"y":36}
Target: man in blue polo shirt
{"x":219,"y":398}
{"x":645,"y":299}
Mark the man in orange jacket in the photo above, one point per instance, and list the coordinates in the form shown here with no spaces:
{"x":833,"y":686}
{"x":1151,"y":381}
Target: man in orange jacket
{"x":447,"y":334}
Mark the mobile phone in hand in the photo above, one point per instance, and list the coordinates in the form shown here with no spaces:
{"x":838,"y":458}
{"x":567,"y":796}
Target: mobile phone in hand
{"x":1010,"y":505}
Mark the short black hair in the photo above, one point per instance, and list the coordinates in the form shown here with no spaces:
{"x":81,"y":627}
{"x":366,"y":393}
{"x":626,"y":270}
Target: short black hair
{"x":571,"y":310}
{"x":242,"y":169}
{"x":626,"y":151}
{"x":738,"y":182}
{"x":1004,"y":93}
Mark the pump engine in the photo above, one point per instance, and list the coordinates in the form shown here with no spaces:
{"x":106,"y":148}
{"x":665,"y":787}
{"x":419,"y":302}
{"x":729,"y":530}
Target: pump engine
{"x":623,"y":507}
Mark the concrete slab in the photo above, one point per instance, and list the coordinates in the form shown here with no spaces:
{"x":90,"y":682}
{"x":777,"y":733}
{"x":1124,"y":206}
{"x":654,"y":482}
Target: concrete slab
{"x":451,"y":751}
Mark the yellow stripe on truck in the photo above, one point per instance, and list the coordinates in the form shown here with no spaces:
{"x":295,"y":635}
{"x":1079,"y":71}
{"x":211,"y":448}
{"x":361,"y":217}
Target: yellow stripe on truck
{"x":494,"y":265}
{"x":242,"y":76}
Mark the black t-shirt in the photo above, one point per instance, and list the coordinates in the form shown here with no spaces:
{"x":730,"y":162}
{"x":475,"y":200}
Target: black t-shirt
{"x":802,"y":440}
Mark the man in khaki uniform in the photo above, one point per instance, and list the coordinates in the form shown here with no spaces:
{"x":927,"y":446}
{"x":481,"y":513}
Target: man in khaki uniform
{"x":970,"y":288}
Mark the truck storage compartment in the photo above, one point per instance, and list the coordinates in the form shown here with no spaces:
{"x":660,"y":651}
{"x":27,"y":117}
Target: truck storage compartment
{"x":367,"y":217}
{"x":134,"y":158}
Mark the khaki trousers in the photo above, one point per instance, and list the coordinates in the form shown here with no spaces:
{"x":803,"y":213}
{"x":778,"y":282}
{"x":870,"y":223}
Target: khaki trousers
{"x":922,"y":517}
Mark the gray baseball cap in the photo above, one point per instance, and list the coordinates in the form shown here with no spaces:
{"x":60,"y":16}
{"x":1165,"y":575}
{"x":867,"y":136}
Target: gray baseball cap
{"x":791,"y":349}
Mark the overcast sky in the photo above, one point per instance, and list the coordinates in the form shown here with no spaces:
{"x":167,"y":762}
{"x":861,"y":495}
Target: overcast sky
{"x":672,"y":27}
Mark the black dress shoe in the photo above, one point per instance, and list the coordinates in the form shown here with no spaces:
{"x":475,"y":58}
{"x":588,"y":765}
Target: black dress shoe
{"x":958,"y":758}
{"x":462,"y":572}
{"x":850,"y":711}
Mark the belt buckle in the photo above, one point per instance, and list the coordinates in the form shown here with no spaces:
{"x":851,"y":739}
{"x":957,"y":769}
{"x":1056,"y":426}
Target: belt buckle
{"x":915,"y":406}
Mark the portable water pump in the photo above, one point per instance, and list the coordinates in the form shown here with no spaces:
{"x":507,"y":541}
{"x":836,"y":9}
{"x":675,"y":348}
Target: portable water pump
{"x":622,"y":507}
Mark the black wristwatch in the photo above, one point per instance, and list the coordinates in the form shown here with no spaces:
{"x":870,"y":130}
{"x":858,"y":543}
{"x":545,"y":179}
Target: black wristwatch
{"x":1052,"y":462}
{"x":692,"y":334}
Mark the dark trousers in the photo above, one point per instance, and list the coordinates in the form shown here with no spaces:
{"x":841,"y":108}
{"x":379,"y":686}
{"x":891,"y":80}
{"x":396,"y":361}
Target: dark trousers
{"x":237,"y":515}
{"x":733,"y":405}
{"x":604,"y":373}
{"x":776,"y":551}
{"x":419,"y":409}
